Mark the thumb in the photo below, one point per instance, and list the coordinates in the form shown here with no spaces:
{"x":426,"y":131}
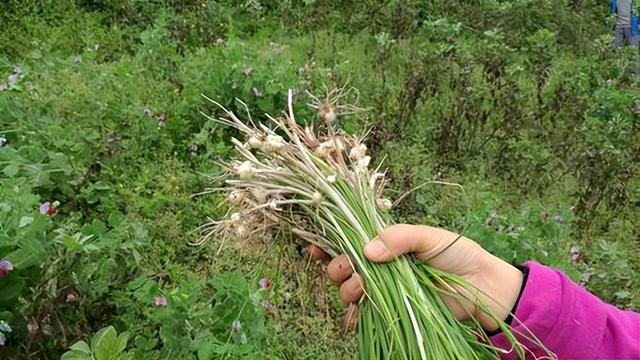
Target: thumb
{"x":401,"y":239}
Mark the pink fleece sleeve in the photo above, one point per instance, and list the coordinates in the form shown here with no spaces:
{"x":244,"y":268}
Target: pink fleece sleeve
{"x":570,"y":321}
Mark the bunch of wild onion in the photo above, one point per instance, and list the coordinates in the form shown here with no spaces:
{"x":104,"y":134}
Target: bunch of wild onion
{"x":322,"y":187}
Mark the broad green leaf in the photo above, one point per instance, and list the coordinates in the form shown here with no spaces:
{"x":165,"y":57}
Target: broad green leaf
{"x":81,"y":346}
{"x":122,"y":342}
{"x":144,"y":343}
{"x":101,"y":185}
{"x":204,"y":345}
{"x":76,"y":355}
{"x":11,"y":170}
{"x":622,"y":294}
{"x":10,"y":289}
{"x":42,"y":179}
{"x":103,"y":343}
{"x":31,"y":253}
{"x":25,"y":220}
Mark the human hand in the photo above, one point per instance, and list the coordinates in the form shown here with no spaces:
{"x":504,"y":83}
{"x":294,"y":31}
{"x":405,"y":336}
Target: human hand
{"x":498,"y":282}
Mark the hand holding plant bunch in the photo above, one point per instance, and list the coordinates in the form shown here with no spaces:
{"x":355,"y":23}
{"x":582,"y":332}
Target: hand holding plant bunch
{"x":498,"y":281}
{"x":320,"y":186}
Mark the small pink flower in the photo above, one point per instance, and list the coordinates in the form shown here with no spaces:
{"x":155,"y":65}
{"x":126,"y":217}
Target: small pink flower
{"x":256,"y":92}
{"x":162,"y":120}
{"x":574,"y":253}
{"x":5,"y":267}
{"x":44,"y":208}
{"x":247,"y":71}
{"x":264,"y":283}
{"x":161,"y":301}
{"x":47,"y":209}
{"x":267,"y":306}
{"x":488,"y":221}
{"x":148,"y":112}
{"x":236,"y":326}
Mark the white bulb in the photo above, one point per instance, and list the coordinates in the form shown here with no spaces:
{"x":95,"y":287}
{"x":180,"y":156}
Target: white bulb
{"x":316,"y":198}
{"x":358,"y":152}
{"x":329,"y":115}
{"x":260,"y":195}
{"x":246,"y":170}
{"x":325,"y":149}
{"x":364,"y":162}
{"x":274,"y":144}
{"x":235,"y":197}
{"x":241,"y":230}
{"x":255,"y":143}
{"x":384,"y":204}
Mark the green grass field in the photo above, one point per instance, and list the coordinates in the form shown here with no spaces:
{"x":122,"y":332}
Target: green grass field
{"x":525,"y":104}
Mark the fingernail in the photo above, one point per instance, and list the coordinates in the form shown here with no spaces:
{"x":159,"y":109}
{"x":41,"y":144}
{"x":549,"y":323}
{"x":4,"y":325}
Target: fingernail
{"x":375,"y":249}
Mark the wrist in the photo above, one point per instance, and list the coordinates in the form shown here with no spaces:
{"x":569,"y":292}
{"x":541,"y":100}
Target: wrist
{"x":501,"y":286}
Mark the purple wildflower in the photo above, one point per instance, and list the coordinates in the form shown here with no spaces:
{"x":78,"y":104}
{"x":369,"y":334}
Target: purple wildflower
{"x":637,"y":109}
{"x":236,"y":326}
{"x":267,"y":306}
{"x":161,"y":301}
{"x":44,"y":208}
{"x":162,"y":120}
{"x":584,"y":278}
{"x":14,"y":75}
{"x":500,"y":228}
{"x":256,"y":92}
{"x":574,"y":253}
{"x":148,"y":112}
{"x":490,"y":219}
{"x":264,"y":283}
{"x":247,"y":71}
{"x":4,"y":327}
{"x":47,"y":209}
{"x":558,"y":219}
{"x":193,"y":149}
{"x":5,"y":267}
{"x":3,"y":142}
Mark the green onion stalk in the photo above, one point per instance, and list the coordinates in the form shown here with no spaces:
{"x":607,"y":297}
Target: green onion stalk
{"x":321,"y":186}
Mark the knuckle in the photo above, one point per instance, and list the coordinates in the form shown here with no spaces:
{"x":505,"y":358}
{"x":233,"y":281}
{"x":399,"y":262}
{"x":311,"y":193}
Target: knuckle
{"x":339,"y":269}
{"x":351,"y":290}
{"x":393,"y":232}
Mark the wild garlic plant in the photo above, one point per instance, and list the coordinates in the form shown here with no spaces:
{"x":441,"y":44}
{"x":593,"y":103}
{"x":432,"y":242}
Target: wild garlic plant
{"x":323,"y":188}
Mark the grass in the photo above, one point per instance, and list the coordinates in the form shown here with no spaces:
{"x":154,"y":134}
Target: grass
{"x":77,"y":123}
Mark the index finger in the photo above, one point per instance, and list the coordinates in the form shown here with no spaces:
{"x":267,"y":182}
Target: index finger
{"x":317,"y":253}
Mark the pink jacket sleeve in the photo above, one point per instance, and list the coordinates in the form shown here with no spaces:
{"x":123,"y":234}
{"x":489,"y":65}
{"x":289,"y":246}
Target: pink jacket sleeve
{"x":570,"y":321}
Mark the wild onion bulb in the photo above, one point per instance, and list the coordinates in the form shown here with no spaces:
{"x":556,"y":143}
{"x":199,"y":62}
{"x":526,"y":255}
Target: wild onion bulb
{"x":321,"y":187}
